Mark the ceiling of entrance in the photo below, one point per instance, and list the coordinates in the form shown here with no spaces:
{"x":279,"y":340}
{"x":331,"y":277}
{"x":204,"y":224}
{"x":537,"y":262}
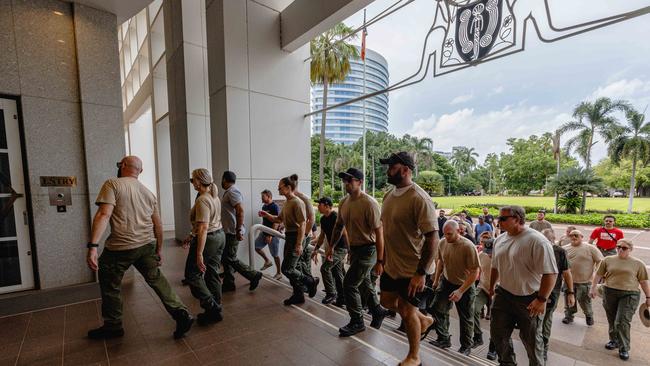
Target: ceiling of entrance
{"x":124,"y":9}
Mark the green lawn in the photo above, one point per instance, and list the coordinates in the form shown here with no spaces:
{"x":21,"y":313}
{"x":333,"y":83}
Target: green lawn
{"x":593,"y":203}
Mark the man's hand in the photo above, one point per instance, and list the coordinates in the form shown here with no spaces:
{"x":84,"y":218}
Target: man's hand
{"x":456,"y":295}
{"x":298,"y":250}
{"x":378,"y":269}
{"x":314,"y":256}
{"x":416,"y":285}
{"x":491,"y":292}
{"x":268,"y":239}
{"x":571,"y":300}
{"x":593,"y":292}
{"x":159,"y":255}
{"x":329,"y":254}
{"x":199,"y":263}
{"x":536,"y":307}
{"x":91,"y":258}
{"x":240,"y":236}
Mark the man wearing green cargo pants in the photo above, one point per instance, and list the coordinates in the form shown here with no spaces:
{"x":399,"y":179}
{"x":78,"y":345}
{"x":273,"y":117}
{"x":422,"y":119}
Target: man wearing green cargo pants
{"x":584,"y":260}
{"x":232,"y":219}
{"x":331,"y":270}
{"x":359,"y":214}
{"x":135,"y":239}
{"x":304,"y":262}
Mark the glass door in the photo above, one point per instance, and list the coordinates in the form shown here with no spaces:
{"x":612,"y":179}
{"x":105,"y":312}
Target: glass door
{"x":16,"y":268}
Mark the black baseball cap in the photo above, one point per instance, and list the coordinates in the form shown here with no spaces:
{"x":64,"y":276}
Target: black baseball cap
{"x":326,"y":201}
{"x":229,"y":176}
{"x":401,"y":157}
{"x":352,"y":173}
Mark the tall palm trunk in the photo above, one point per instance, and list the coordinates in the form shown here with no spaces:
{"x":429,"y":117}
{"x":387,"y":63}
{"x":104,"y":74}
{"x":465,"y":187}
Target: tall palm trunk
{"x":321,"y":156}
{"x":584,"y":193}
{"x":632,"y":184}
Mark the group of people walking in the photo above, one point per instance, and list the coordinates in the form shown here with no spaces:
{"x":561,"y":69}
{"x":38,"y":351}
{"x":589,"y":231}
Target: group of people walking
{"x":426,"y":264}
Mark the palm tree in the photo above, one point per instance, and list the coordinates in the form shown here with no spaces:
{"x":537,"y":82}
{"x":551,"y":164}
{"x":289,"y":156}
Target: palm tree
{"x":464,"y":159}
{"x":419,"y":148}
{"x":330,"y":63}
{"x":590,"y":118}
{"x":631,"y":142}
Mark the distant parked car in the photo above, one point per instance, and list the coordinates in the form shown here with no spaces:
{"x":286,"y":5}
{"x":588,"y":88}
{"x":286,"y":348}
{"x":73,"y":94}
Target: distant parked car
{"x":618,"y":194}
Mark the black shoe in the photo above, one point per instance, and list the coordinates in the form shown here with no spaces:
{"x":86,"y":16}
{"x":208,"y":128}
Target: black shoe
{"x":567,"y":320}
{"x":351,"y":329}
{"x":590,"y":320}
{"x":391,"y":313}
{"x":624,"y":355}
{"x":255,"y":281}
{"x":295,"y":300}
{"x":228,"y":288}
{"x":313,"y":286}
{"x":441,"y":343}
{"x":340,"y":302}
{"x":329,"y":299}
{"x":378,"y":315}
{"x":465,"y":350}
{"x":105,"y":333}
{"x":611,"y":345}
{"x":183,"y":323}
{"x":478,"y":341}
{"x":210,"y":316}
{"x":491,"y":355}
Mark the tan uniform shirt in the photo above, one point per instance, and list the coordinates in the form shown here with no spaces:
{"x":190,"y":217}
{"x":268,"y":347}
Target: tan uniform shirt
{"x":406,"y":215}
{"x":457,"y":258}
{"x":134,"y":204}
{"x":622,"y":274}
{"x":293,"y":214}
{"x":583,"y":258}
{"x":206,"y":210}
{"x":540,"y":225}
{"x":360,"y":216}
{"x":309,"y":207}
{"x":564,"y":240}
{"x":486,"y":263}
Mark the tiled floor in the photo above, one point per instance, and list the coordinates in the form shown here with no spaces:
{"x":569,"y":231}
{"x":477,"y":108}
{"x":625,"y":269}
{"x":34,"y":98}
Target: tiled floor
{"x":257,"y":330}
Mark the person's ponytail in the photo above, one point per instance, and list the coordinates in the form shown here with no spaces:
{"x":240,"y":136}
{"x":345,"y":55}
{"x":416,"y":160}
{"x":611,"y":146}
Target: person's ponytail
{"x":214,"y":191}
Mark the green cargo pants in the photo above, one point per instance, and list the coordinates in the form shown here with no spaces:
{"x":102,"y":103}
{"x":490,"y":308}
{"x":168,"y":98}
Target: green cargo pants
{"x":232,"y":264}
{"x":620,"y":306}
{"x":206,"y":287}
{"x":465,"y":308}
{"x":304,"y":262}
{"x":553,"y":299}
{"x":582,"y":297}
{"x":357,"y":282}
{"x":113,"y":264}
{"x":333,"y":273}
{"x":480,"y":300}
{"x":290,"y":264}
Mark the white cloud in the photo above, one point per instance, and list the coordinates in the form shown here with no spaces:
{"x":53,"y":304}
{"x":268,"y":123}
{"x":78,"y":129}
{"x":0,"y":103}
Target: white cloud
{"x":498,"y":90}
{"x":462,"y":99}
{"x":622,"y":89}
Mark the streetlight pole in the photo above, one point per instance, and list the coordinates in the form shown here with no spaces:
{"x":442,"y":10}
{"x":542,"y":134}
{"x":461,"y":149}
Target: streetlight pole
{"x":363,"y":54}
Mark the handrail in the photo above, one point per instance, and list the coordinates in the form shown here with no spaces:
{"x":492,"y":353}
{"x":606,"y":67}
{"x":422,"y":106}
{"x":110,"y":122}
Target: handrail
{"x":252,"y":234}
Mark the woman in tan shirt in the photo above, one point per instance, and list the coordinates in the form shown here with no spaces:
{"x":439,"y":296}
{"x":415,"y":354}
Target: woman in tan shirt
{"x":206,"y":243}
{"x":623,"y":274}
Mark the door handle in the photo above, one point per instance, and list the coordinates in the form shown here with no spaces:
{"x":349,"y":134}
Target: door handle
{"x":25,"y":218}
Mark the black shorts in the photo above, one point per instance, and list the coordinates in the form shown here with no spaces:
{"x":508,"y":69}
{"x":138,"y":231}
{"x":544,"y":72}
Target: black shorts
{"x":401,"y":286}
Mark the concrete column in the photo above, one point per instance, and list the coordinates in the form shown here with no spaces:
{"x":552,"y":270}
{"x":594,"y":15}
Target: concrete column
{"x":258,"y":96}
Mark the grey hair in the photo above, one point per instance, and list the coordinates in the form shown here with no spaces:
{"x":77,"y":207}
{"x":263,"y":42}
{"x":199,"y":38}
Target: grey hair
{"x":516,"y":211}
{"x":452,"y":223}
{"x":549,"y":234}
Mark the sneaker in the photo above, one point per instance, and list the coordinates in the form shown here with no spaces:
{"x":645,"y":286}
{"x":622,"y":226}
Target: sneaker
{"x":567,"y":320}
{"x":590,"y":320}
{"x":313,"y":287}
{"x":227,"y":288}
{"x":378,"y":315}
{"x":465,"y":350}
{"x":352,"y":328}
{"x":623,"y":355}
{"x":295,"y":300}
{"x":441,"y":343}
{"x":611,"y":345}
{"x":478,"y":341}
{"x":255,"y":281}
{"x":491,"y":355}
{"x":105,"y":333}
{"x":184,"y":322}
{"x":210,"y":316}
{"x":266,"y":265}
{"x":278,"y":276}
{"x":329,"y":299}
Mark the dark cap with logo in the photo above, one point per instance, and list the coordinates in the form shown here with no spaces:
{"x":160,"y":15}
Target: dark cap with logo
{"x":352,"y":173}
{"x":326,"y":201}
{"x":401,"y":157}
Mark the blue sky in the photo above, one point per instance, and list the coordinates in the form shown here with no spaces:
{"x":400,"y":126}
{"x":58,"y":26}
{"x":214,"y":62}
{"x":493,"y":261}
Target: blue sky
{"x":531,"y":92}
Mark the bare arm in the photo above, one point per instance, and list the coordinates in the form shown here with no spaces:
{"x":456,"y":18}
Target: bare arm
{"x":436,"y":276}
{"x":100,"y":222}
{"x":494,"y":278}
{"x":201,"y":237}
{"x":548,"y":282}
{"x":336,"y":234}
{"x":645,"y":286}
{"x":299,"y":238}
{"x":470,"y":279}
{"x":157,"y":231}
{"x":239,"y":214}
{"x":568,"y":279}
{"x":379,"y":243}
{"x":428,"y":250}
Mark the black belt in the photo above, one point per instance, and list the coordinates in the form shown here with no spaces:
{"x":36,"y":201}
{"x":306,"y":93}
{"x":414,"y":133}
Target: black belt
{"x":215,"y":232}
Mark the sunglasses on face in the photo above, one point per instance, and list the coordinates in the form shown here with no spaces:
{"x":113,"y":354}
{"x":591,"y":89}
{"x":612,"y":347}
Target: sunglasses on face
{"x":504,"y":218}
{"x":622,"y":248}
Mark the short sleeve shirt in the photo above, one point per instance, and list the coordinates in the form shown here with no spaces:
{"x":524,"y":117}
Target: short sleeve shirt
{"x":206,"y":210}
{"x":309,"y":207}
{"x":230,"y":199}
{"x":457,"y":258}
{"x":271,"y":208}
{"x":293,"y":214}
{"x":406,"y":217}
{"x":327,"y":226}
{"x":522,"y":260}
{"x":622,"y":274}
{"x":584,"y":258}
{"x":540,"y":225}
{"x":604,"y":240}
{"x":133,"y":206}
{"x":489,"y":219}
{"x":361,"y":217}
{"x":562,"y":265}
{"x":486,"y":263}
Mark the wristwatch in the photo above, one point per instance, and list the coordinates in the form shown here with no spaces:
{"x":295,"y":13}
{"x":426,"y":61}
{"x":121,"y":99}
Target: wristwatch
{"x":569,"y":292}
{"x":541,"y":298}
{"x":380,"y":261}
{"x":421,"y":272}
{"x":92,"y":245}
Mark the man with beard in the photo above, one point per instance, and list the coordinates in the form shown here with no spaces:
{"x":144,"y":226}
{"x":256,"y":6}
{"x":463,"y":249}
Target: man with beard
{"x":360,"y":216}
{"x":410,"y":229}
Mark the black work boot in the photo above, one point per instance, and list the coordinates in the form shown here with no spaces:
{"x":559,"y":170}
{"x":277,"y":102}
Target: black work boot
{"x":329,"y":298}
{"x":255,"y":281}
{"x":183,"y":322}
{"x":104,"y":332}
{"x":441,"y":342}
{"x":478,"y":341}
{"x":210,"y":316}
{"x":378,"y":315}
{"x":312,"y":286}
{"x":352,"y":328}
{"x":296,"y":299}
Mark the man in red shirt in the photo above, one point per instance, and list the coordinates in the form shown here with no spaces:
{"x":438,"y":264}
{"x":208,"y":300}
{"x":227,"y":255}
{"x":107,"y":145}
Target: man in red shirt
{"x":606,"y":236}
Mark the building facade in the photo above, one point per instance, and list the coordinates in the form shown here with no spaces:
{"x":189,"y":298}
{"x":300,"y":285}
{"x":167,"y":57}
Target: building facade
{"x":345,"y":124}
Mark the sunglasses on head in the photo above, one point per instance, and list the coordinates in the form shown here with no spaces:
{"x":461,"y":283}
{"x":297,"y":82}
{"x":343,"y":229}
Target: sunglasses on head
{"x":623,"y":248}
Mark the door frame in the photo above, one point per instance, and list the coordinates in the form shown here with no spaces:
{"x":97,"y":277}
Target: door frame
{"x":28,"y":191}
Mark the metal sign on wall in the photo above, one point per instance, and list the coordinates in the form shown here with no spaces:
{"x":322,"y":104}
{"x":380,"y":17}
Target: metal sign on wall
{"x":49,"y":181}
{"x":59,"y":190}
